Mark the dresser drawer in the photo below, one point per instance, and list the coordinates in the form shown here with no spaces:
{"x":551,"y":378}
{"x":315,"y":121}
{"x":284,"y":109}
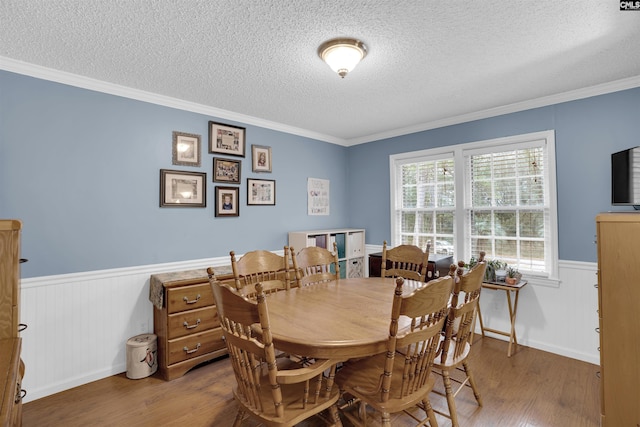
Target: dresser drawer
{"x":195,"y":345}
{"x":189,"y":297}
{"x":10,"y":381}
{"x":192,"y":321}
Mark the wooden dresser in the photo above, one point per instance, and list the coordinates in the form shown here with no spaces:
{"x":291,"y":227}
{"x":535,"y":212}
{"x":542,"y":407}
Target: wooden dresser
{"x":11,"y":367}
{"x":618,"y":237}
{"x":185,"y":320}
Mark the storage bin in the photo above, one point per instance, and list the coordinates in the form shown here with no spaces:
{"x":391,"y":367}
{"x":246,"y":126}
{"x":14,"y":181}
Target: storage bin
{"x":141,"y":356}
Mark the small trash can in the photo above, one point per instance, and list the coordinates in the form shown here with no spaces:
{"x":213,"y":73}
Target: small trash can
{"x":141,"y":356}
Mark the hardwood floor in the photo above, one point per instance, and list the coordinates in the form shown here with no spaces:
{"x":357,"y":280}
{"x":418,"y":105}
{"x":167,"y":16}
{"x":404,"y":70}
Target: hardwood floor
{"x":532,"y":388}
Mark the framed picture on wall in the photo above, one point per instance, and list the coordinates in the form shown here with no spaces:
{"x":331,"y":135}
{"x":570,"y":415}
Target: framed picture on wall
{"x":186,"y":149}
{"x":261,"y":158}
{"x":226,"y":139}
{"x":227,"y":201}
{"x":225,"y":170}
{"x":182,"y":189}
{"x":261,"y":191}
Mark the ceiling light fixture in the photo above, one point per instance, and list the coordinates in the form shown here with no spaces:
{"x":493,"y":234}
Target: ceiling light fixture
{"x":342,"y":55}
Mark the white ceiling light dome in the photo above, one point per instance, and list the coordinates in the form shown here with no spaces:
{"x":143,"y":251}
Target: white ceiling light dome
{"x":342,"y":54}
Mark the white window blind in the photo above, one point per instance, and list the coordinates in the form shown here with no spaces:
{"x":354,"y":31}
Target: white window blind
{"x":425,"y":206}
{"x":497,"y":196}
{"x":507,"y":212}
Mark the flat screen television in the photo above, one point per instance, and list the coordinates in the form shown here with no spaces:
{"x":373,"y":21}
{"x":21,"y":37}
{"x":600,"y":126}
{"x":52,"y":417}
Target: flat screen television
{"x":625,"y":177}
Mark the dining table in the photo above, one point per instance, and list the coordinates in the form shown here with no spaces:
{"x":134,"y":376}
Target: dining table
{"x":341,"y":319}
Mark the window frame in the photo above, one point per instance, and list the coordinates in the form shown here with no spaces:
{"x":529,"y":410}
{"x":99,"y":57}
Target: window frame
{"x":459,"y":153}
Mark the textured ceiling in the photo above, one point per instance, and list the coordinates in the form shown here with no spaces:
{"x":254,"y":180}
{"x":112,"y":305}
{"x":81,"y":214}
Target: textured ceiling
{"x":428,"y":62}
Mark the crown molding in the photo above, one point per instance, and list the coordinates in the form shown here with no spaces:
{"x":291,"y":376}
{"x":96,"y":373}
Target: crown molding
{"x":588,"y":92}
{"x":83,"y":82}
{"x":76,"y":80}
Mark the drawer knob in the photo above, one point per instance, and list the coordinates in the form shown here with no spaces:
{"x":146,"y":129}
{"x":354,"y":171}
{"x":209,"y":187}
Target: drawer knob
{"x":186,"y":300}
{"x":20,"y":395}
{"x":186,"y":349}
{"x":188,"y":326}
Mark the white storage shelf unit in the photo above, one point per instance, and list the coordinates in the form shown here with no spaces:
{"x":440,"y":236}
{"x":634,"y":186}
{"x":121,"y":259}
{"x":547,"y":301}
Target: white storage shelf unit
{"x":350,"y":242}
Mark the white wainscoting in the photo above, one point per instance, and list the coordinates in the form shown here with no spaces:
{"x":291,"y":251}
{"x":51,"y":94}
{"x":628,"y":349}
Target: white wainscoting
{"x":78,"y":324}
{"x":559,"y":319}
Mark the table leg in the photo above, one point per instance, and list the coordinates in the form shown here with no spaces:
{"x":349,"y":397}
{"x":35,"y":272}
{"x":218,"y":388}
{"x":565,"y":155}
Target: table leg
{"x":479,"y":317}
{"x":513,"y":309}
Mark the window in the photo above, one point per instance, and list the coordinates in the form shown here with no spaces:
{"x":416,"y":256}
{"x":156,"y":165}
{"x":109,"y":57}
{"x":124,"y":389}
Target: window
{"x":425,"y":206}
{"x":496,"y":196}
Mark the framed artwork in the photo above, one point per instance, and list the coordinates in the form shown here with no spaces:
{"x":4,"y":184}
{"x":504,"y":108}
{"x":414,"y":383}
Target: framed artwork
{"x":186,"y":149}
{"x":261,"y":158}
{"x":261,"y":191}
{"x":226,"y":139}
{"x":183,"y":189}
{"x":227,"y":201}
{"x":318,"y":196}
{"x":225,"y":170}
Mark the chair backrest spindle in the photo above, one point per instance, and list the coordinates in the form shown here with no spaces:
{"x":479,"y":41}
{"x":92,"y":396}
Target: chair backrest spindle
{"x":260,"y":266}
{"x":315,"y":265}
{"x":407,"y":261}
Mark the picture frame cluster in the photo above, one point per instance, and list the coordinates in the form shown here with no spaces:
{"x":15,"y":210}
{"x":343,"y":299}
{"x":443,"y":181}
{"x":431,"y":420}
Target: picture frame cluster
{"x":180,"y":188}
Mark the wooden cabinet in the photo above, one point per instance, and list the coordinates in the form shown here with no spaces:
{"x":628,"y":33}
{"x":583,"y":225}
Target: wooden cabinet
{"x":9,"y":278}
{"x":618,"y":237}
{"x":350,"y":242}
{"x":11,"y":367}
{"x":186,"y":321}
{"x":11,"y":372}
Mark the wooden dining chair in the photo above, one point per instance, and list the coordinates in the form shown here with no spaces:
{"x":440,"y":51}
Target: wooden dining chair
{"x":400,"y":378}
{"x":455,"y":345}
{"x":268,"y":268}
{"x":263,"y":391}
{"x":315,"y":265}
{"x":407,"y":261}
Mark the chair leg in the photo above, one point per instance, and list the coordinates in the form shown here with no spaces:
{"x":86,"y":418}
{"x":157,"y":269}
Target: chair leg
{"x":472,"y":382}
{"x":451,"y":399}
{"x":334,"y":416}
{"x":362,"y":412}
{"x":430,"y":414}
{"x":386,"y":419}
{"x":239,"y":418}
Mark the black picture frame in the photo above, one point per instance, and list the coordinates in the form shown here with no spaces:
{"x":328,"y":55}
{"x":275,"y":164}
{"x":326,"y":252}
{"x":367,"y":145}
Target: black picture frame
{"x":261,"y":192}
{"x":227,"y":139}
{"x":227,"y":201}
{"x":226,"y":170}
{"x":183,"y":189}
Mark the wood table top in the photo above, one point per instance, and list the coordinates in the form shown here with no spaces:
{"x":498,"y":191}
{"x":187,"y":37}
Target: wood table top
{"x":343,"y":319}
{"x":505,"y":286}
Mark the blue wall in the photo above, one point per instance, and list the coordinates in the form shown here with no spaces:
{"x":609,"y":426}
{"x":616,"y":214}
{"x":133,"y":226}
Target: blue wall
{"x":587,"y":132}
{"x":81,"y":170}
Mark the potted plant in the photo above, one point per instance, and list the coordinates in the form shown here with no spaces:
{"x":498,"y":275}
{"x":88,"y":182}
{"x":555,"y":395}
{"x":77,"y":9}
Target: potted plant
{"x":493,"y":266}
{"x":513,"y":276}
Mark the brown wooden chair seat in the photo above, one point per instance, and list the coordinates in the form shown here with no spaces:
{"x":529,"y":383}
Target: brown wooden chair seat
{"x":455,"y":344}
{"x":393,"y":382}
{"x":407,"y":261}
{"x":315,"y":265}
{"x":263,"y":391}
